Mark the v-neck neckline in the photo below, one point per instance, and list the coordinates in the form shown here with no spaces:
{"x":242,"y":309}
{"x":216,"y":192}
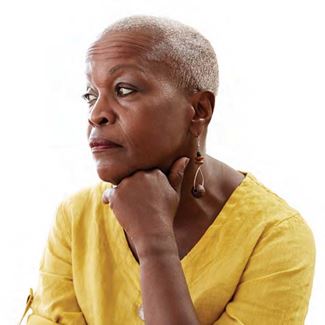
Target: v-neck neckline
{"x":126,"y":256}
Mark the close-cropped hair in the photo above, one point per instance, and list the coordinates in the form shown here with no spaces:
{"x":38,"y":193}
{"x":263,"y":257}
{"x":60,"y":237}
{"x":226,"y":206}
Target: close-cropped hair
{"x":190,"y":57}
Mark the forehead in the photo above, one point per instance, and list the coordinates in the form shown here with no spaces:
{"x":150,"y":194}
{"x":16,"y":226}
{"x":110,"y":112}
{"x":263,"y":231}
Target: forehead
{"x":121,"y":43}
{"x":115,"y":45}
{"x":127,"y":48}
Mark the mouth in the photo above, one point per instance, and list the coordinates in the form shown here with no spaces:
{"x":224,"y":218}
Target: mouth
{"x":101,"y":144}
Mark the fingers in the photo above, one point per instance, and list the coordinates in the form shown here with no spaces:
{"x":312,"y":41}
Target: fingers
{"x":176,"y":173}
{"x":175,"y":178}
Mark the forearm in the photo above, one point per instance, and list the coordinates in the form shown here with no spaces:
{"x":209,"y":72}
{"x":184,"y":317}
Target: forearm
{"x":165,"y":295}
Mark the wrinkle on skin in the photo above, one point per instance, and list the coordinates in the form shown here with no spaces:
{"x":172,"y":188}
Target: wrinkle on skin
{"x":93,"y":74}
{"x":119,"y":41}
{"x":155,"y":127}
{"x":120,"y":45}
{"x":153,"y":139}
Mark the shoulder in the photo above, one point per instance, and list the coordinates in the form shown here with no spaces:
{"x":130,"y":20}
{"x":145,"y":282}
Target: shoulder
{"x":83,"y":201}
{"x":276,"y":237}
{"x":275,"y":259}
{"x":259,"y":217}
{"x":259,"y":204}
{"x":292,"y":237}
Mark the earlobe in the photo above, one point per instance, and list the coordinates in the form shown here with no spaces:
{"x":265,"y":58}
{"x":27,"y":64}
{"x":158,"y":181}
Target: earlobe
{"x":197,"y":126}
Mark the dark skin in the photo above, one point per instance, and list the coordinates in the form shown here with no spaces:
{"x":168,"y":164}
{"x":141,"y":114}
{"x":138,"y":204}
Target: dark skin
{"x":157,"y":125}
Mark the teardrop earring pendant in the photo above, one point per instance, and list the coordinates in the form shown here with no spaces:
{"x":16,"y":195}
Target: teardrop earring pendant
{"x":198,"y":190}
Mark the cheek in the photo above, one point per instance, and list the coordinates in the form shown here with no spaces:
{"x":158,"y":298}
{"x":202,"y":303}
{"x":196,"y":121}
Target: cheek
{"x":159,"y":134}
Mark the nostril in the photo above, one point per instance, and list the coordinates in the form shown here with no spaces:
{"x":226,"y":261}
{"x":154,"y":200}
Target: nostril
{"x":104,"y":121}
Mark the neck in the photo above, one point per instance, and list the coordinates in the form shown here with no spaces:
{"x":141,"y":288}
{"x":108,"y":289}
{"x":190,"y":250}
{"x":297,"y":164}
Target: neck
{"x":191,"y":207}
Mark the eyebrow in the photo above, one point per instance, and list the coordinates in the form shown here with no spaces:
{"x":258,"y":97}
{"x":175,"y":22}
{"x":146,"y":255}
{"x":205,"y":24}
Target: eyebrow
{"x":117,"y":67}
{"x":120,"y":66}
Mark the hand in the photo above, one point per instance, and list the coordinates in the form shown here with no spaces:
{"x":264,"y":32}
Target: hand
{"x":145,"y":203}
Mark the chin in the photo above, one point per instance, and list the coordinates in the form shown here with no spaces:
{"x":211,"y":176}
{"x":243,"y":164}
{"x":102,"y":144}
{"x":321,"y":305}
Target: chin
{"x":112,"y":175}
{"x":109,"y":177}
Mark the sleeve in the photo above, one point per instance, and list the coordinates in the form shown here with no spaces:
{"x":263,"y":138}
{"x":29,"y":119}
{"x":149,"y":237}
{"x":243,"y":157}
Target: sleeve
{"x":54,"y":301}
{"x":276,"y":284}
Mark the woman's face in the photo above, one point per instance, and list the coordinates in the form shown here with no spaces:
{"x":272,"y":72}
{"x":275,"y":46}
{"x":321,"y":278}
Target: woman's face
{"x":134,"y":104}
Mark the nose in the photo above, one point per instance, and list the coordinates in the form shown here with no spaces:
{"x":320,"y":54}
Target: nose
{"x":101,"y":114}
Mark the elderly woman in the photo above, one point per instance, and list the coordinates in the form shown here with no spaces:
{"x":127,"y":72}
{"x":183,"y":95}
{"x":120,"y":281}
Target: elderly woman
{"x":169,"y":235}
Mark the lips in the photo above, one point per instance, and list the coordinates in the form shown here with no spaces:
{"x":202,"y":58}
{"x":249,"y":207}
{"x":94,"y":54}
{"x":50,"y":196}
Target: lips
{"x":102,"y":143}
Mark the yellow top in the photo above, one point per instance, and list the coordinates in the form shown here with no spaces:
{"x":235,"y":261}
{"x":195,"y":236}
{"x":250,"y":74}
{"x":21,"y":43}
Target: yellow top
{"x":253,"y":265}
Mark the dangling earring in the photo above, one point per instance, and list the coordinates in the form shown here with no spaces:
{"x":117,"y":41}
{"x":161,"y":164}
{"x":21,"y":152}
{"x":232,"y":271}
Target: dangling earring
{"x":198,"y":190}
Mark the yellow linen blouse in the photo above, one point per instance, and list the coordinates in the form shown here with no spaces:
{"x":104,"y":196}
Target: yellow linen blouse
{"x":253,"y":265}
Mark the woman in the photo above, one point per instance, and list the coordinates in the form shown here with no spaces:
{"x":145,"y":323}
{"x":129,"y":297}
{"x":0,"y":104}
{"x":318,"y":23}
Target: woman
{"x":169,"y":235}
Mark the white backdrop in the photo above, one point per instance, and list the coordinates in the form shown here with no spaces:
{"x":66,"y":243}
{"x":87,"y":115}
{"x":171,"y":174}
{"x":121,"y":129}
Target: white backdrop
{"x":269,"y":114}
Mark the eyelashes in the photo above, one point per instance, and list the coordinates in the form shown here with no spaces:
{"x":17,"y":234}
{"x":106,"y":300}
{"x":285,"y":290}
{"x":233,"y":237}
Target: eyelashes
{"x":88,"y":97}
{"x":123,"y":91}
{"x":120,"y":91}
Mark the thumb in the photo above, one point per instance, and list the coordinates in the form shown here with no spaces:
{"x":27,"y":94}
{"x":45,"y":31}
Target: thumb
{"x":176,"y":174}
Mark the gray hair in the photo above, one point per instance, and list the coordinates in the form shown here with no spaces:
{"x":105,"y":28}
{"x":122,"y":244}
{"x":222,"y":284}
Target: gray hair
{"x":189,"y":55}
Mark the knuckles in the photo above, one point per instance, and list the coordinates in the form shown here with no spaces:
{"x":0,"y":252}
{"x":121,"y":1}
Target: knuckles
{"x":140,"y":175}
{"x":137,"y":179}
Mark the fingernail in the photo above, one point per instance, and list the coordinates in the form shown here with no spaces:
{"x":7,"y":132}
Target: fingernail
{"x":186,"y":162}
{"x":108,"y":194}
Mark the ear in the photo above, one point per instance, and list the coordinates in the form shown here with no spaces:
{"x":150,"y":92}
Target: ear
{"x":203,"y":105}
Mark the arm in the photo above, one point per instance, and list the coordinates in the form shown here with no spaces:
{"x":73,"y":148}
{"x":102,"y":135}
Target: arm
{"x":165,"y":295}
{"x":54,"y":300}
{"x":149,"y":224}
{"x":276,"y":285}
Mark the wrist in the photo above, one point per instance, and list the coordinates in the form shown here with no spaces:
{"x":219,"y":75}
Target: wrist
{"x":158,"y":245}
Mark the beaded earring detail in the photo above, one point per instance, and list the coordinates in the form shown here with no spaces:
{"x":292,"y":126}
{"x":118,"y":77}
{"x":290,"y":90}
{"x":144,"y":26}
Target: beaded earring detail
{"x":198,"y":190}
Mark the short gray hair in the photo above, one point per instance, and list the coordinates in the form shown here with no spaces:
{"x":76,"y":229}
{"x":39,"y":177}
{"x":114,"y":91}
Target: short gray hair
{"x":189,"y":55}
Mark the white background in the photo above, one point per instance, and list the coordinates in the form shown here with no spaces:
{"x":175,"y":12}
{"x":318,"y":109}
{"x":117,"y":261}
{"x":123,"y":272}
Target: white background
{"x":269,"y":114}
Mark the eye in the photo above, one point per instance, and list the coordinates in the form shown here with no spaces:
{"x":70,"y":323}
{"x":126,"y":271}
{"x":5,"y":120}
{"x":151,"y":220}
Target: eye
{"x":89,"y":98}
{"x":123,"y":91}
